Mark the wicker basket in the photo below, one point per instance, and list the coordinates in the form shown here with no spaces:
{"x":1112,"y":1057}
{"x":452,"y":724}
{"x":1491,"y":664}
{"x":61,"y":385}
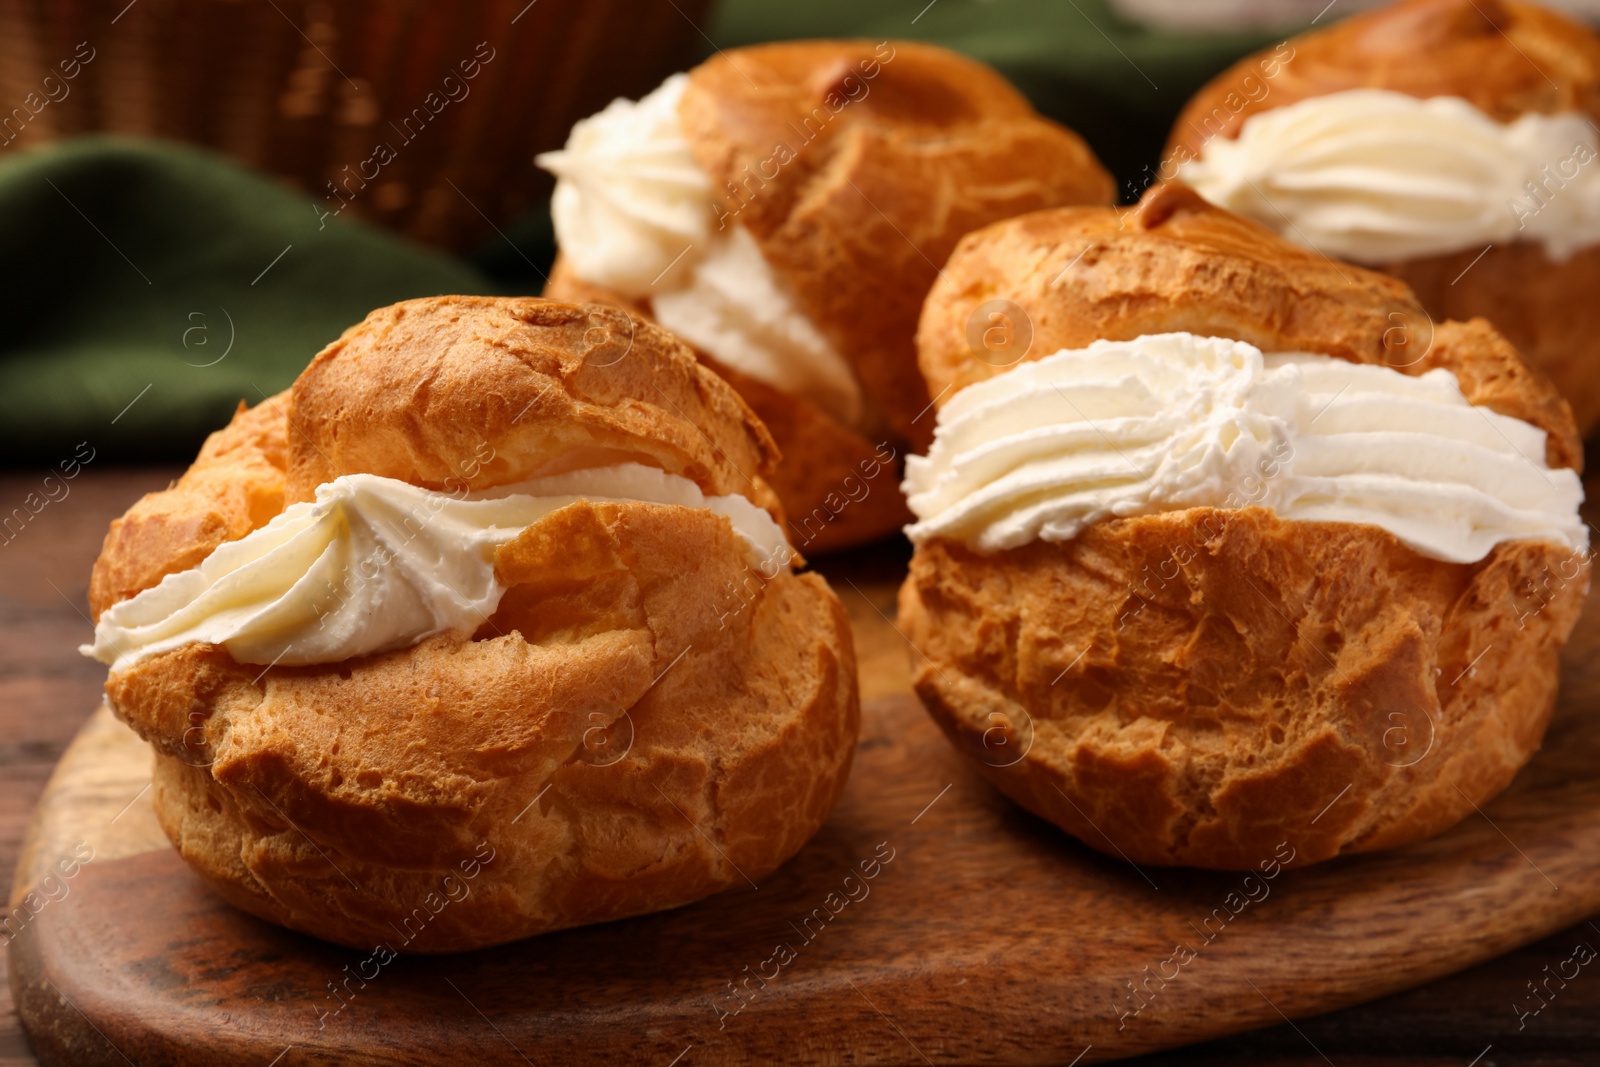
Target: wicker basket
{"x":309,"y":91}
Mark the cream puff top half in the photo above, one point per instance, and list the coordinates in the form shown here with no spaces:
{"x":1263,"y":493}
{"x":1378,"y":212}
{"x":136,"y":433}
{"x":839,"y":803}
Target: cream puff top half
{"x":784,"y":208}
{"x":1428,"y":128}
{"x":1215,"y":393}
{"x":385,"y":555}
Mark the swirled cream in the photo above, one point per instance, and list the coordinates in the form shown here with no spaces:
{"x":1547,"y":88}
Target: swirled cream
{"x":629,"y":197}
{"x":1375,"y":177}
{"x":634,"y":212}
{"x":374,"y":564}
{"x":1173,"y":421}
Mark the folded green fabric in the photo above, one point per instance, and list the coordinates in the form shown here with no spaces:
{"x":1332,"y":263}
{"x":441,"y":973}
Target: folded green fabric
{"x":151,"y":287}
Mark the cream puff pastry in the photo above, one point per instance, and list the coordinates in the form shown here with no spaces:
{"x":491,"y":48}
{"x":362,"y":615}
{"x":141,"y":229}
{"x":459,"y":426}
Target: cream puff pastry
{"x":784,"y":208}
{"x":486,"y":627}
{"x":1451,"y":143}
{"x":1225,"y":562}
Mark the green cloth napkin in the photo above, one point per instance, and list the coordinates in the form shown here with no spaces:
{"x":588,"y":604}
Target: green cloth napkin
{"x":150,"y":287}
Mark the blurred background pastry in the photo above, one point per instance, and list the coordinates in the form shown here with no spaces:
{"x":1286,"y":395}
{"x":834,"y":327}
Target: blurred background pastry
{"x":1450,"y":143}
{"x":1221,"y":563}
{"x":784,"y":209}
{"x":506,"y":610}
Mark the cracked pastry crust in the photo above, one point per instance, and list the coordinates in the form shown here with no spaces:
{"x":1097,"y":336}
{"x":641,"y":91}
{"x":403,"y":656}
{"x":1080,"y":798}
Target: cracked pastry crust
{"x":642,"y":722}
{"x":1195,"y":687}
{"x":1507,"y":59}
{"x":858,"y":223}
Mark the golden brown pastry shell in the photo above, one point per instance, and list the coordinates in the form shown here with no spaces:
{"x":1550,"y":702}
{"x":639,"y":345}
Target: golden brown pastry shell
{"x":1196,"y":687}
{"x":889,"y":153}
{"x":1506,"y":58}
{"x":877,"y":193}
{"x":1237,"y":672}
{"x":643,"y":722}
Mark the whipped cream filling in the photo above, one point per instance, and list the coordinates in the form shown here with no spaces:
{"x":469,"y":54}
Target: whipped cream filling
{"x":634,"y":212}
{"x":1374,"y":176}
{"x":374,"y":564}
{"x":1172,"y":421}
{"x":630,"y":202}
{"x":735,"y":308}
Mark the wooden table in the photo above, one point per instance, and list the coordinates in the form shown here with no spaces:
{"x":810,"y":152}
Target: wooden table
{"x":47,"y":691}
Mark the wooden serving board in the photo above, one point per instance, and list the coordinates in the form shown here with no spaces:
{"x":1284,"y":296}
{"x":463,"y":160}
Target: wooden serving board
{"x":987,"y":937}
